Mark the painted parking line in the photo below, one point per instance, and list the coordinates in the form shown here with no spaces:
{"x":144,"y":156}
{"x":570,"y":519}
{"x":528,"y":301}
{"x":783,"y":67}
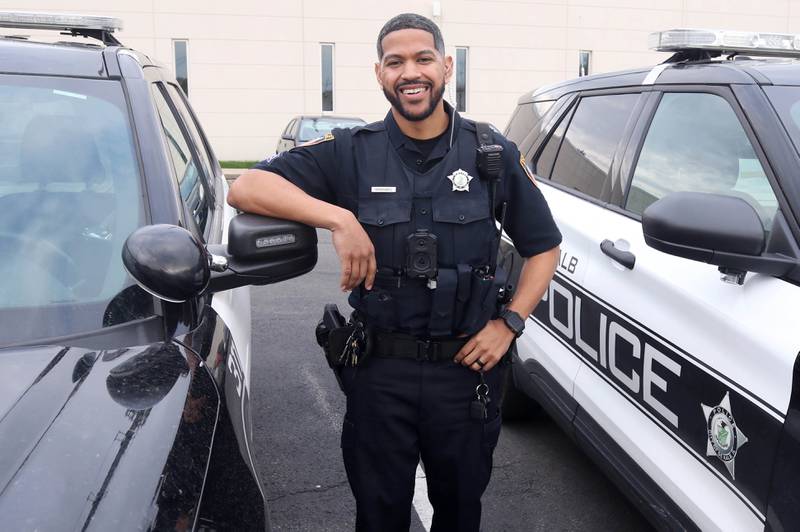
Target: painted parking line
{"x":421,"y":503}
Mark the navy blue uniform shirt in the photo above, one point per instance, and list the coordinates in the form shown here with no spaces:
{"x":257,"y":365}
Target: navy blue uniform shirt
{"x":314,"y":167}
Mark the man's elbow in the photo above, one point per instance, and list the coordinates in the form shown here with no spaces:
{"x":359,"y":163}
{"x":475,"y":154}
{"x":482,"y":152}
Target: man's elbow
{"x":237,"y":195}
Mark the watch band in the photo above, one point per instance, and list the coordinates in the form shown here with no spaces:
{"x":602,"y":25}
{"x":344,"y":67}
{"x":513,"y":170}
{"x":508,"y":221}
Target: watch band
{"x":513,"y":321}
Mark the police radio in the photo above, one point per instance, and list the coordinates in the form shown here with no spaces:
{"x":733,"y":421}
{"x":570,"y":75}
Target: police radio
{"x":421,"y":256}
{"x":490,"y":162}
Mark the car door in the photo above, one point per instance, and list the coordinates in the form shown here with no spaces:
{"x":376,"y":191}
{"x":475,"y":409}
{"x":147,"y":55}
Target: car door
{"x":551,"y":342}
{"x":223,"y":339}
{"x":693,"y":374}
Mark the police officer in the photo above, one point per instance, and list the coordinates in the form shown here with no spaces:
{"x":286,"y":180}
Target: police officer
{"x":412,"y":208}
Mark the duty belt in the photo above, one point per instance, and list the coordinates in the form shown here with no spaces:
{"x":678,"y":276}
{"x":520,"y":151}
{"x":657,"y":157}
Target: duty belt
{"x":386,"y":344}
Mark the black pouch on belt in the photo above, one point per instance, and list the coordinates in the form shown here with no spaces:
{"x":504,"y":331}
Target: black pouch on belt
{"x":482,"y":304}
{"x":443,"y":303}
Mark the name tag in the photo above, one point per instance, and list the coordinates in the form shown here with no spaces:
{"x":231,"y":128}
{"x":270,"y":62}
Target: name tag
{"x":384,"y":189}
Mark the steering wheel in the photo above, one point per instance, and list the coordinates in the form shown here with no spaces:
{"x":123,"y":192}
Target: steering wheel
{"x":48,"y":256}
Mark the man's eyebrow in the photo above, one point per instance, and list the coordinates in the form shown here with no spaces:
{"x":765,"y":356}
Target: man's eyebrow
{"x":388,"y":57}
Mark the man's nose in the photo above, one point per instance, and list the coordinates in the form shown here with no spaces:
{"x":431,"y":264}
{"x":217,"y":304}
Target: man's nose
{"x":410,"y":70}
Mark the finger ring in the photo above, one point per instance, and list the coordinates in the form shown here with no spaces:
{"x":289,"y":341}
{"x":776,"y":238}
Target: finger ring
{"x":478,"y":362}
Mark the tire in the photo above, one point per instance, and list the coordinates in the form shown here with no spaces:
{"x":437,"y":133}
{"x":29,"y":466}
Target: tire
{"x":514,"y":404}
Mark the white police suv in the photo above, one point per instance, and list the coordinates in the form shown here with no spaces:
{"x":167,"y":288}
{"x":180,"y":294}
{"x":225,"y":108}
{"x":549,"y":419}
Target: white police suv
{"x":667,"y":344}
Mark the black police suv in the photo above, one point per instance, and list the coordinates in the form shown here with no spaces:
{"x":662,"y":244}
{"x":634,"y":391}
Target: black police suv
{"x":124,"y":311}
{"x":667,"y":344}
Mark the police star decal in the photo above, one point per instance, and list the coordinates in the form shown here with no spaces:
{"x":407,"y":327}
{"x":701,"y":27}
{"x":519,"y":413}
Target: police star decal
{"x":724,"y":437}
{"x":460,"y":180}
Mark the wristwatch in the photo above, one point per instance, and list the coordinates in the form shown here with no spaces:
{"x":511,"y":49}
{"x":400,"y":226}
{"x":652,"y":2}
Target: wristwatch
{"x":513,"y":321}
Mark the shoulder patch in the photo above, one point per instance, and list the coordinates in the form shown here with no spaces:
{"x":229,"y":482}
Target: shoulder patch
{"x":319,"y":140}
{"x":527,"y":170}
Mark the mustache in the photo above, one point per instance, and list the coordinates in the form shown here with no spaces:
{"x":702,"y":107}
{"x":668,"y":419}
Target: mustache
{"x":400,"y":86}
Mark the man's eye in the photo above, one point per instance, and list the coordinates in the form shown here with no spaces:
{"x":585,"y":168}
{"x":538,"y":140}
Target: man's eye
{"x":424,"y":60}
{"x":392,"y":63}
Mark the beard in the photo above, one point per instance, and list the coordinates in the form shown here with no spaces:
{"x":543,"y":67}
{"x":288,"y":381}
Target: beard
{"x":436,"y":96}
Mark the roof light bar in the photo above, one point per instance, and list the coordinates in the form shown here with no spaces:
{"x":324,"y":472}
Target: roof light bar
{"x":725,"y":41}
{"x":58,"y":21}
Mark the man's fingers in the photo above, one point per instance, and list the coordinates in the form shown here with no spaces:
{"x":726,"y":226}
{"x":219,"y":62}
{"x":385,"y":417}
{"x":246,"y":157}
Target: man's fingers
{"x":474,"y":355}
{"x":347,"y":270}
{"x":355,"y":274}
{"x":372,"y":268}
{"x":489,"y":365}
{"x":465,"y":350}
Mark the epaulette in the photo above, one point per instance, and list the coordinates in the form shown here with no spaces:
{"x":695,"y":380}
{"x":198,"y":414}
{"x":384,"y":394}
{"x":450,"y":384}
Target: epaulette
{"x":373,"y":127}
{"x":467,"y":124}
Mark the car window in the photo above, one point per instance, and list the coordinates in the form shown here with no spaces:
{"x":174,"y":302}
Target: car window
{"x":696,"y":143}
{"x":194,"y":131}
{"x":584,"y":159}
{"x":70,"y":195}
{"x":525,"y":120}
{"x":543,"y":165}
{"x":184,"y":165}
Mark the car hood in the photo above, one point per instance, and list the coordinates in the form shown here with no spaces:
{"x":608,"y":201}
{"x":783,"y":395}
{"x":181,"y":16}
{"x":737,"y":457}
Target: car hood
{"x":84,"y":434}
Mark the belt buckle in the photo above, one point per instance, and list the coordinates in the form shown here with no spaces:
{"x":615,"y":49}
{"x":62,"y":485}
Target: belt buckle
{"x":424,"y":350}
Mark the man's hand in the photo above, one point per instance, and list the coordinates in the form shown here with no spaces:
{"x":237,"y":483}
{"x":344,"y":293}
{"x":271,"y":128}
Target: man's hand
{"x":488,"y":346}
{"x":356,"y":253}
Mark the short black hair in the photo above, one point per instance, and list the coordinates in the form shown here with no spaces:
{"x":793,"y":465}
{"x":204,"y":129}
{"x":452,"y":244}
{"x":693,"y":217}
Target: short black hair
{"x":411,"y":21}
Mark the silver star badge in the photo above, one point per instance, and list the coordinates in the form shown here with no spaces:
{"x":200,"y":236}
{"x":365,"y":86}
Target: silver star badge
{"x":460,"y":180}
{"x":724,"y":437}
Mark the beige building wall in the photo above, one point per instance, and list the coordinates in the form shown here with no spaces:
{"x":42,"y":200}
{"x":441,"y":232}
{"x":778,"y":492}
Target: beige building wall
{"x":254,"y":64}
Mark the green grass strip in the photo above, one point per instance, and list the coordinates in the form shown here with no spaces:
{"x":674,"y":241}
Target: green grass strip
{"x":237,"y":164}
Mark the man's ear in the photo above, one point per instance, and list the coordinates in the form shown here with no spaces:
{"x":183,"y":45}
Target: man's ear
{"x":448,"y":68}
{"x":378,"y":74}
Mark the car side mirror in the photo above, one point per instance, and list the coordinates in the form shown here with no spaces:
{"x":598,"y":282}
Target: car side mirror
{"x":172,"y":264}
{"x":263,"y":250}
{"x":167,"y":261}
{"x":721,"y":230}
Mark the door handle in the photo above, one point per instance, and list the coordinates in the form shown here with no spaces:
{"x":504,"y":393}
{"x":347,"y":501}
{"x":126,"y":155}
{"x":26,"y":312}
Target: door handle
{"x":626,"y":258}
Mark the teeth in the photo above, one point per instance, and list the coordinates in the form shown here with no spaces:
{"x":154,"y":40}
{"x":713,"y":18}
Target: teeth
{"x":413,"y":91}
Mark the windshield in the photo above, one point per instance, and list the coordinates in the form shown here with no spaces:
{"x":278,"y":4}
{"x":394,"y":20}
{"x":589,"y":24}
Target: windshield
{"x":69,"y":196}
{"x":786,"y":101}
{"x":313,"y":128}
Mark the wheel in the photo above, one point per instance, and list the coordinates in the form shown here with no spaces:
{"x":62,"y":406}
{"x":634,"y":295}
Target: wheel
{"x":514,"y":404}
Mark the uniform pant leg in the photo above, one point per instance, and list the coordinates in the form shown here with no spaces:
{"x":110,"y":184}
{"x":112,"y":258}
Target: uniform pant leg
{"x":380,"y":441}
{"x":456,"y":449}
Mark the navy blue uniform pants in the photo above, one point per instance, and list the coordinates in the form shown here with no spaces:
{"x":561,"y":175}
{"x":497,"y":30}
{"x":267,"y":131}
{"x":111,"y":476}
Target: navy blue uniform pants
{"x":401,"y":410}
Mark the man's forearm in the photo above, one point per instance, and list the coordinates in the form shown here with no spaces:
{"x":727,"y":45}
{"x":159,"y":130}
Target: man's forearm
{"x":269,"y":194}
{"x":533,"y":281}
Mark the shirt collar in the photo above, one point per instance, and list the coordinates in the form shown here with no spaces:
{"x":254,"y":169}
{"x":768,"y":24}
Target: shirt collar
{"x":400,"y":140}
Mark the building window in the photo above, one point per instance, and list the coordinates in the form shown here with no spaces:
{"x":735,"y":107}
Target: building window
{"x":584,"y":62}
{"x":461,"y":79}
{"x":327,"y":77}
{"x":181,"y":50}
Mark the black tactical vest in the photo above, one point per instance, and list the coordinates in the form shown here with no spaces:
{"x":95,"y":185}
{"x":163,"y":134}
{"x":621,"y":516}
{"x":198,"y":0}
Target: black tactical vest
{"x":394,"y":201}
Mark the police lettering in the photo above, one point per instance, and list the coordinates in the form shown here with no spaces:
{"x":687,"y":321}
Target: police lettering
{"x":611,"y":344}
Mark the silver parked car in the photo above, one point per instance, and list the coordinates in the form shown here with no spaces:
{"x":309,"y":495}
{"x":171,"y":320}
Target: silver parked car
{"x":301,"y":129}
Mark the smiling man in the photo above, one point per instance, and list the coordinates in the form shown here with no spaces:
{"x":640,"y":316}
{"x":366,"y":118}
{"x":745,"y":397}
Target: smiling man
{"x":412,"y":202}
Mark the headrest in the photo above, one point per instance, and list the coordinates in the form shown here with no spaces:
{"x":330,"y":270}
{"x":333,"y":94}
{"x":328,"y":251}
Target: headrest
{"x":59,"y":149}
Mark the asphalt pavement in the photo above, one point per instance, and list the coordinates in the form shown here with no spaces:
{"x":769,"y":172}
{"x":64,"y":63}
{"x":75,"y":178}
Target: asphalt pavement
{"x":541,"y":480}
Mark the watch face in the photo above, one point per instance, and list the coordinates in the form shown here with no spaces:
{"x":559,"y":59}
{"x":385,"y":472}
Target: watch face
{"x":514,"y":322}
